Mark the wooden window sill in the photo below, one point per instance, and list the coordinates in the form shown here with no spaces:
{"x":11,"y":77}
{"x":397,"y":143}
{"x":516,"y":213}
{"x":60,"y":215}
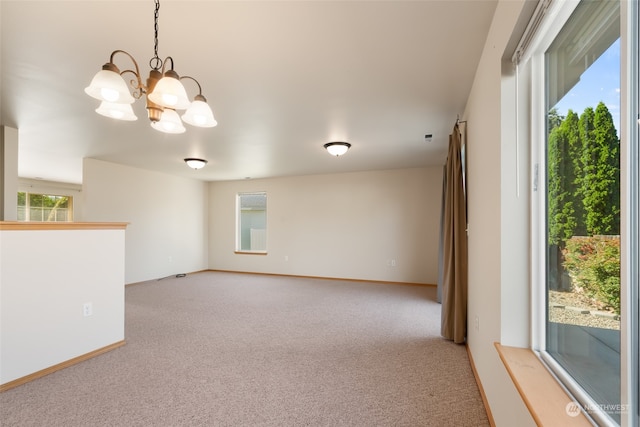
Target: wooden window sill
{"x":545,"y":398}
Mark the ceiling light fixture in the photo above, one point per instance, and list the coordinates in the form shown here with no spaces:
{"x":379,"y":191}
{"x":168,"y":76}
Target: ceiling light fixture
{"x":194,"y":163}
{"x":337,"y":148}
{"x":164,"y":93}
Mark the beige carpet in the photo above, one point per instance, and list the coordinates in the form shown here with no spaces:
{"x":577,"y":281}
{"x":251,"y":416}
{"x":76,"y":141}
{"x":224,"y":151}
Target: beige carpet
{"x":226,"y":349}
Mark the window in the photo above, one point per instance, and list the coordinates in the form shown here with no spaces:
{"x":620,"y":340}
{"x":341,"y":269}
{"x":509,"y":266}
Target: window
{"x":251,"y":222}
{"x":583,"y":201}
{"x":584,"y":225}
{"x":44,"y":207}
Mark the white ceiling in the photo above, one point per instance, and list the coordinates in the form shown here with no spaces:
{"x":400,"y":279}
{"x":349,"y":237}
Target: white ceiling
{"x":282,"y":77}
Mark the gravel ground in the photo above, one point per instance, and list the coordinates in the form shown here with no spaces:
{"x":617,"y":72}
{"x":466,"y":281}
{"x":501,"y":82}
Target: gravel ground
{"x":577,"y":309}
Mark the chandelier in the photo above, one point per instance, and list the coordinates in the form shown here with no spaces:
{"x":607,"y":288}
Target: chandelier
{"x":164,"y":92}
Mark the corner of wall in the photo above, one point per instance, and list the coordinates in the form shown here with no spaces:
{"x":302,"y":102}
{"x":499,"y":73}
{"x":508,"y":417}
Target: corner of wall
{"x":9,"y":175}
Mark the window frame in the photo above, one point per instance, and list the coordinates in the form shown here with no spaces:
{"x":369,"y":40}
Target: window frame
{"x":27,"y":206}
{"x":561,"y":11}
{"x":554,"y":20}
{"x":630,"y":166}
{"x":238,"y":231}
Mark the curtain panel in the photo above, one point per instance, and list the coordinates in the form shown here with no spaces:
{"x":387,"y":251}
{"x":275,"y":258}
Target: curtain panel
{"x":454,"y":244}
{"x":441,"y":241}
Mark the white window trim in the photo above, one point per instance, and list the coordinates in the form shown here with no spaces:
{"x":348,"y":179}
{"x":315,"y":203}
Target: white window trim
{"x":556,"y":16}
{"x":630,"y":209}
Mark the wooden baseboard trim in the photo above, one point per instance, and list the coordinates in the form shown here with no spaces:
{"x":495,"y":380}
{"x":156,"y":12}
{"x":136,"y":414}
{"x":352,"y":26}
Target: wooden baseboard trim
{"x":177,"y":275}
{"x":50,"y":370}
{"x":485,"y":401}
{"x":289,"y":275}
{"x":382,"y":282}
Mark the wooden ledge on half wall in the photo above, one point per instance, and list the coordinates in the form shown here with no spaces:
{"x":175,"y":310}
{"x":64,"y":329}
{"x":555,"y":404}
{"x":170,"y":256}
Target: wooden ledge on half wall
{"x":32,"y":225}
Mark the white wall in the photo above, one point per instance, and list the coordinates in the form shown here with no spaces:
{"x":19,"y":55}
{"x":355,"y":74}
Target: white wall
{"x":340,"y":225}
{"x":167,"y":233}
{"x":497,"y":284}
{"x":46,"y":278}
{"x":515,"y":213}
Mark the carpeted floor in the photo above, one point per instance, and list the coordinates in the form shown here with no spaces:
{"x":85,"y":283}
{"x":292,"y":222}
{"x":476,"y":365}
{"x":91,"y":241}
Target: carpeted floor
{"x":227,"y":349}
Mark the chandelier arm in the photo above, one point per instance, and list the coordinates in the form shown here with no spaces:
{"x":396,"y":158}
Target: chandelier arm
{"x":139,"y":88}
{"x":136,"y":84}
{"x":191,"y":78}
{"x":164,"y":63}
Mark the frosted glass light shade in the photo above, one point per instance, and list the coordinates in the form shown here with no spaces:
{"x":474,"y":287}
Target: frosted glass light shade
{"x":116,"y":111}
{"x":195,"y":163}
{"x":199,"y":114}
{"x":337,"y":148}
{"x":109,"y":86}
{"x":169,"y":122}
{"x":170,"y":93}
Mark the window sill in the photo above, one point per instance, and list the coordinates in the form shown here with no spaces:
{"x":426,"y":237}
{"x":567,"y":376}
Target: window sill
{"x":251,"y":252}
{"x":545,"y":398}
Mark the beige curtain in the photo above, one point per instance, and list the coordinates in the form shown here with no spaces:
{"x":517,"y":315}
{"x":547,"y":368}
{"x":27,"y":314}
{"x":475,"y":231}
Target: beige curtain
{"x":454,"y":277}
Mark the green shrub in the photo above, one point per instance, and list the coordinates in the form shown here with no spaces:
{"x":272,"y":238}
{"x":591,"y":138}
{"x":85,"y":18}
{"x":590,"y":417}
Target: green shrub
{"x":594,"y":265}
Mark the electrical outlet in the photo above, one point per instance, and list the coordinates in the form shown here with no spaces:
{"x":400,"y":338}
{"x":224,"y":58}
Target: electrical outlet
{"x":170,"y":258}
{"x":393,"y":263}
{"x":476,"y":323}
{"x":87,"y":309}
{"x":286,"y":258}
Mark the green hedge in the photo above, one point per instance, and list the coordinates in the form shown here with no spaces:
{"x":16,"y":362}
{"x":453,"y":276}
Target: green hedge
{"x":594,"y":265}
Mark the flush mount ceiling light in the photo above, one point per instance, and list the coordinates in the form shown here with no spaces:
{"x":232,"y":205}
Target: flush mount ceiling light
{"x":195,"y":163}
{"x":337,"y":148}
{"x":163,"y":89}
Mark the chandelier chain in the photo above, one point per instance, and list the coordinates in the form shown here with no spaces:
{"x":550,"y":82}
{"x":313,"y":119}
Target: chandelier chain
{"x":155,"y":62}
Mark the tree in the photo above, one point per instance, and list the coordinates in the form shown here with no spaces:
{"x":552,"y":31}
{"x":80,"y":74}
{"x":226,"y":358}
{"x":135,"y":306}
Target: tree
{"x":572,"y":127}
{"x":554,"y":119}
{"x":583,"y":177}
{"x":565,"y":207}
{"x":600,"y":175}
